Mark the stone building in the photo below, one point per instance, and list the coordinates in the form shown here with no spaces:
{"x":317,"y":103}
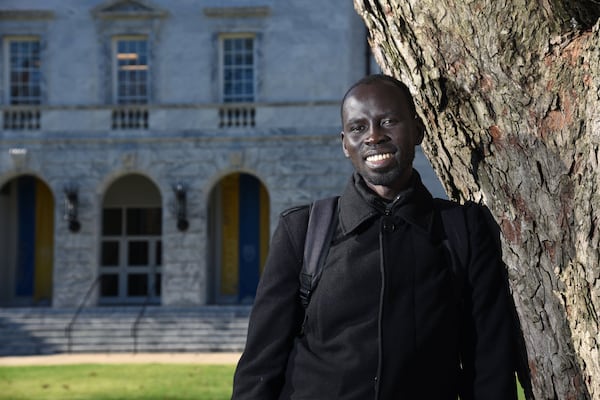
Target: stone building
{"x":147,"y":148}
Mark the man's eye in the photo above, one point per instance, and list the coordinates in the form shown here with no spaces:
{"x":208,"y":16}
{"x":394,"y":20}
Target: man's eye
{"x":357,"y":128}
{"x":388,"y":122}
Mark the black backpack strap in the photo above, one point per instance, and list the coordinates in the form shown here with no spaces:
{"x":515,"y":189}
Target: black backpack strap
{"x":455,"y":228}
{"x":322,"y":222}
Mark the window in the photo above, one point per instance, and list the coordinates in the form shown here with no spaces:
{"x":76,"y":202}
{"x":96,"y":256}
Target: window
{"x":131,"y":255}
{"x":238,"y":60}
{"x":23,"y":80}
{"x":131,"y":82}
{"x":131,"y":70}
{"x":24,"y":71}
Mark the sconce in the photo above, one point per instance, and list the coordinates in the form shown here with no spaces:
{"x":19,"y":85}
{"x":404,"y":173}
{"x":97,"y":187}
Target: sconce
{"x":71,"y":206}
{"x":180,"y":206}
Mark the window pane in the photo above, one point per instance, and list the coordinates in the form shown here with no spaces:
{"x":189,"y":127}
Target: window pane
{"x":137,"y":285}
{"x":110,"y":253}
{"x":112,"y":221}
{"x":109,"y":285}
{"x":159,"y":253}
{"x":238,"y":69}
{"x":157,"y":284}
{"x":138,"y":253}
{"x":132,"y":66}
{"x":25,"y":72}
{"x":144,"y":221}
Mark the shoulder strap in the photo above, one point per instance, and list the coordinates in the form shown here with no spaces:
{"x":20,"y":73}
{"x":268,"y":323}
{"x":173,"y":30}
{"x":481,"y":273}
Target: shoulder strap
{"x":322,"y":222}
{"x":455,"y":228}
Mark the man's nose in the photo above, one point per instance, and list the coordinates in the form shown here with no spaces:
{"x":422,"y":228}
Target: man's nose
{"x":376,"y":135}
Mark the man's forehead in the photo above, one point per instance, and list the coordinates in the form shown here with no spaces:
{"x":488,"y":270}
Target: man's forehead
{"x":371,"y":93}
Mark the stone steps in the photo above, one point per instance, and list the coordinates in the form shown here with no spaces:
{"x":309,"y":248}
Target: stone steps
{"x":29,"y":331}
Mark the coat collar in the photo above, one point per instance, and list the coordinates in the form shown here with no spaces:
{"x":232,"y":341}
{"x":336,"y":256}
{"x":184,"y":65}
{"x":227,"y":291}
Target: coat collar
{"x":359,"y":204}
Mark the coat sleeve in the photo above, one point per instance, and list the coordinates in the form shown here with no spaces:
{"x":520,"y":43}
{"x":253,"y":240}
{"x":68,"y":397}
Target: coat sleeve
{"x":276,"y":316}
{"x":488,"y":353}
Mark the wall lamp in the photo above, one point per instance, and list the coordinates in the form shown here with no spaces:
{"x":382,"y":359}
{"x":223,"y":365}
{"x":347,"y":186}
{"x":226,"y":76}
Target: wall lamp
{"x":71,"y":206}
{"x":180,"y":206}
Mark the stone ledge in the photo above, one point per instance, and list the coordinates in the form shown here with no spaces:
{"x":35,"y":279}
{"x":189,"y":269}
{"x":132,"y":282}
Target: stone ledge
{"x":25,"y":14}
{"x":237,"y":12}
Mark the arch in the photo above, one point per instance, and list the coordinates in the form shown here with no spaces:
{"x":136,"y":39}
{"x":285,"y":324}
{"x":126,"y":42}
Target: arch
{"x":238,"y":237}
{"x":116,"y":175}
{"x":130,"y":265}
{"x":26,"y":242}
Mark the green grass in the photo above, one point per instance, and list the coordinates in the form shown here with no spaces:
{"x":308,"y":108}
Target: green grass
{"x":520,"y":391}
{"x":122,"y":381}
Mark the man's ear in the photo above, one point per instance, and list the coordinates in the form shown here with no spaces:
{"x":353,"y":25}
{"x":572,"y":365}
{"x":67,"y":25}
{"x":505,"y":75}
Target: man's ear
{"x":344,"y":144}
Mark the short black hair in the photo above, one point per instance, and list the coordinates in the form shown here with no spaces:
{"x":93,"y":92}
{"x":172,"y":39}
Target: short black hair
{"x":376,"y":78}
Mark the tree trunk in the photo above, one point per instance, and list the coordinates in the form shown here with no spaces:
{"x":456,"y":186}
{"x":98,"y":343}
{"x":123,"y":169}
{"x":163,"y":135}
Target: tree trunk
{"x":510,"y":93}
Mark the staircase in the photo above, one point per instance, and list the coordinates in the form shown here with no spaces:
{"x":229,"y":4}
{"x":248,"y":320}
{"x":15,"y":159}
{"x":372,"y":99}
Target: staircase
{"x":29,"y":331}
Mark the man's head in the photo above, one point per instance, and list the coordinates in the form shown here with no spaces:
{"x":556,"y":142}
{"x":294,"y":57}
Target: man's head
{"x":380,"y":129}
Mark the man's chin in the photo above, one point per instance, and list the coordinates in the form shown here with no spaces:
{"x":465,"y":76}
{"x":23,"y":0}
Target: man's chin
{"x":382,"y":178}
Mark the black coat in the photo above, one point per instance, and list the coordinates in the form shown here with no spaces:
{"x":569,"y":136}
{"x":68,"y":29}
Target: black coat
{"x":386,"y":321}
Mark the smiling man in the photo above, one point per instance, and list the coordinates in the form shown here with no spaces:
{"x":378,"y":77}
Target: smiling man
{"x":391,"y":318}
{"x":380,"y":132}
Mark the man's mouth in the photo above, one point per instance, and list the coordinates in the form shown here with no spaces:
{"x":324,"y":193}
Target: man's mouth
{"x":379,"y":157}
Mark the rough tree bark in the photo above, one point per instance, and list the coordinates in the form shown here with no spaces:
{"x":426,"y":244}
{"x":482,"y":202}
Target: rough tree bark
{"x":510,"y":92}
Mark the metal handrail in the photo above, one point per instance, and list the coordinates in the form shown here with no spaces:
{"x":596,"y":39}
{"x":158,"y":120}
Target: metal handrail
{"x":134,"y":327}
{"x":69,"y":327}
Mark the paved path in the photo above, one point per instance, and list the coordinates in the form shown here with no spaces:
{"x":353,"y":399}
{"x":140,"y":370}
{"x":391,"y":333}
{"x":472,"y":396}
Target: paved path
{"x":123,"y":358}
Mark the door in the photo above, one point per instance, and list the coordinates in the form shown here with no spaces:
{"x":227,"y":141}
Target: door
{"x":240,"y":236}
{"x":26,"y":242}
{"x":131,"y":244}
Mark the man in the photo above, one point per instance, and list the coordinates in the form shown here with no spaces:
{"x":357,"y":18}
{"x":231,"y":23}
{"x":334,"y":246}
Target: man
{"x":386,"y":320}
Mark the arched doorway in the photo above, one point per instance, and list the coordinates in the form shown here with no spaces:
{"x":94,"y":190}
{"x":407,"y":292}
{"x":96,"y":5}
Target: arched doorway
{"x":131,"y":243}
{"x":239,"y":230}
{"x":26,"y":242}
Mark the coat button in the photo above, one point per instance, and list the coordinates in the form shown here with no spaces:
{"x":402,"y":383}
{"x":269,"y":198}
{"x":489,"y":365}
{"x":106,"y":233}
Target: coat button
{"x":388,"y":225}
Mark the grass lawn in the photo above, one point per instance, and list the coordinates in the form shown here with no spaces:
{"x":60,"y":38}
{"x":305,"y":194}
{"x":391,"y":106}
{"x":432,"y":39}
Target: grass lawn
{"x":121,"y":381}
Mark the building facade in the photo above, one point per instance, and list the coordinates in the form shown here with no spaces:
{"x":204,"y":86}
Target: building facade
{"x":147,"y":148}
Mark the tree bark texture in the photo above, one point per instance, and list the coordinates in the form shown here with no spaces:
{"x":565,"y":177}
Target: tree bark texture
{"x":510,"y":93}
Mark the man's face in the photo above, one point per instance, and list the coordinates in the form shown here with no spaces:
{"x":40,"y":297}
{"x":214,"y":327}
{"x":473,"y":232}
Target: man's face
{"x":379,"y":136}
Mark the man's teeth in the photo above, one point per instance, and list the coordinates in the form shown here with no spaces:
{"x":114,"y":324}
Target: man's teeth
{"x":379,"y":157}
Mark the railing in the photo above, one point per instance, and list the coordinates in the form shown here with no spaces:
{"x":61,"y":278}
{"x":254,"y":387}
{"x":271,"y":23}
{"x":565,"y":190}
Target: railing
{"x":210,"y":118}
{"x":22,"y":119}
{"x":237,"y":116}
{"x":69,"y":327}
{"x":134,"y":327}
{"x":130,"y":118}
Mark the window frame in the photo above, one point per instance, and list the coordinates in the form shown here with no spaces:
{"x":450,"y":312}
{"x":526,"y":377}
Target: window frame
{"x":8,"y":40}
{"x":115,"y":69}
{"x":228,"y":36}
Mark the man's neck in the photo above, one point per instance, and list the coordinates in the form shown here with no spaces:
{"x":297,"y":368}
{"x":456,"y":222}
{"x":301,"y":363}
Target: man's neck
{"x":389,"y":193}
